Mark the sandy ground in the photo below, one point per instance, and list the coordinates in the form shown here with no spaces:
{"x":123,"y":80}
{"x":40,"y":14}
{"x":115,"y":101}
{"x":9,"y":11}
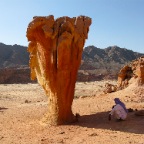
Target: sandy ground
{"x":22,"y":106}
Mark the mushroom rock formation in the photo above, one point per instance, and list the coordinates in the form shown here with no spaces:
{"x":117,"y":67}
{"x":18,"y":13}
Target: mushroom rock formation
{"x":133,"y":72}
{"x":55,"y":54}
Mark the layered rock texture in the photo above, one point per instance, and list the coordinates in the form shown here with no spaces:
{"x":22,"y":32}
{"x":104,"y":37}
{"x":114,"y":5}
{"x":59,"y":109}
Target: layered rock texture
{"x":55,"y":49}
{"x":131,"y":73}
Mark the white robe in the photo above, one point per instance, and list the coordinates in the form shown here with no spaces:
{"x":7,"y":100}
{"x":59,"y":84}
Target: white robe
{"x":119,"y":112}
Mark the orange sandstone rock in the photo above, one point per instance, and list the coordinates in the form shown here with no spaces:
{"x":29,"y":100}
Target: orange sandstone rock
{"x":55,"y":54}
{"x":134,"y":72}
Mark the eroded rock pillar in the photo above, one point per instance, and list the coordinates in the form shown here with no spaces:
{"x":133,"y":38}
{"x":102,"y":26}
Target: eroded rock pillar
{"x":55,"y":54}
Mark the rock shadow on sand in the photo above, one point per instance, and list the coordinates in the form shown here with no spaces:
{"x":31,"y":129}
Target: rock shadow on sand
{"x":133,"y":123}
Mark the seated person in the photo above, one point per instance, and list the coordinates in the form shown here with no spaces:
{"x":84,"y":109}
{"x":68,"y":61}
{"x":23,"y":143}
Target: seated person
{"x":119,"y":110}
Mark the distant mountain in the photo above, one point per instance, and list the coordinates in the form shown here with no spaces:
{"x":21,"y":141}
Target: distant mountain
{"x":105,"y":63}
{"x":12,"y":56}
{"x":96,"y":64}
{"x":107,"y":57}
{"x":95,"y":58}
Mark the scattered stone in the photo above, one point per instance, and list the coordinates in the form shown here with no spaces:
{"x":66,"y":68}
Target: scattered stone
{"x":27,"y":101}
{"x":1,"y":137}
{"x":77,"y":115}
{"x":130,"y":110}
{"x":3,"y":108}
{"x":83,"y":97}
{"x":62,"y":132}
{"x":109,"y":88}
{"x":93,"y":134}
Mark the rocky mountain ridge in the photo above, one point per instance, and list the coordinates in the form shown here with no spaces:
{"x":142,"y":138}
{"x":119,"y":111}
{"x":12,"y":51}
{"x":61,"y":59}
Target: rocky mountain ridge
{"x":96,"y":63}
{"x":13,"y":56}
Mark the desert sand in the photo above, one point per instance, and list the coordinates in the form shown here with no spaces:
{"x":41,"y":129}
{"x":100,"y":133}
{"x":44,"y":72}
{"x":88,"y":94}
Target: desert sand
{"x":22,"y":106}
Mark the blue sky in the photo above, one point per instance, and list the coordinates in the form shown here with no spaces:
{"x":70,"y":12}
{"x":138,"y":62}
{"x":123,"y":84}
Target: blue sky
{"x":114,"y":22}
